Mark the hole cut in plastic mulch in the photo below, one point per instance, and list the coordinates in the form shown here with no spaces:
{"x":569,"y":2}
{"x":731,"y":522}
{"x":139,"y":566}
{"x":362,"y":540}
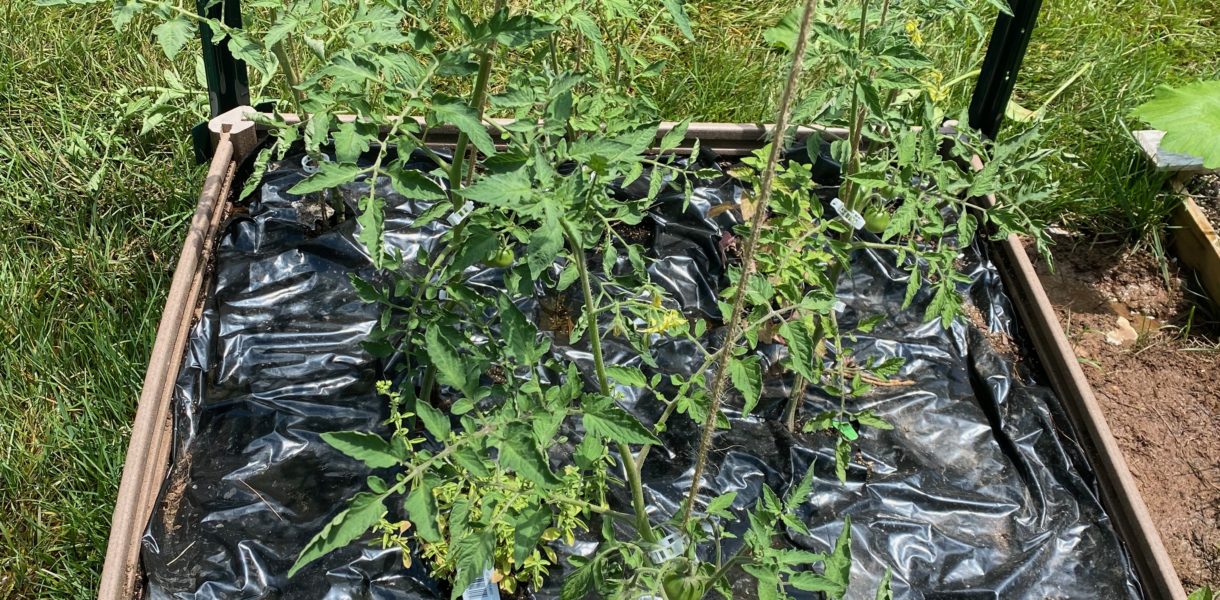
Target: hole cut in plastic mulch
{"x":979,"y":491}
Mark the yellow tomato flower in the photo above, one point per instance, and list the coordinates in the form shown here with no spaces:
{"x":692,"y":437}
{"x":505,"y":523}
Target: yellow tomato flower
{"x":914,"y":33}
{"x":662,"y":322}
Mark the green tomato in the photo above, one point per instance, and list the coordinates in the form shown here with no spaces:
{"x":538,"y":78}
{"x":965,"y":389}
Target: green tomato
{"x":680,"y":586}
{"x":502,"y":258}
{"x":876,"y":219}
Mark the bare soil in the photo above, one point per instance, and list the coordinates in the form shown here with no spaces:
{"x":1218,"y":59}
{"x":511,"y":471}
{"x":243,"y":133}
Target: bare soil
{"x":1158,"y":389}
{"x":1205,"y":190}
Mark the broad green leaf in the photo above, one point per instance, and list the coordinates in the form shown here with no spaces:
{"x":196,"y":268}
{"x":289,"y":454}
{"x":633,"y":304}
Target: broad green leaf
{"x":450,"y":369}
{"x":353,"y":139}
{"x":174,"y":34}
{"x":1190,"y":117}
{"x":364,"y":511}
{"x":799,"y":557}
{"x":527,"y":529}
{"x":366,"y":447}
{"x":508,"y":190}
{"x":746,"y":376}
{"x":329,"y":175}
{"x":519,"y":452}
{"x":435,"y":421}
{"x":616,"y":424}
{"x":421,"y":509}
{"x":455,"y":112}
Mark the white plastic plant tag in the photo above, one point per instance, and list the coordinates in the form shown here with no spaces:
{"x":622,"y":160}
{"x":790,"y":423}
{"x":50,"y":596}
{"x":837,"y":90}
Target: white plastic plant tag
{"x":667,"y":548}
{"x":460,"y":214}
{"x":838,"y":306}
{"x":310,"y":165}
{"x":853,"y":218}
{"x":482,"y":588}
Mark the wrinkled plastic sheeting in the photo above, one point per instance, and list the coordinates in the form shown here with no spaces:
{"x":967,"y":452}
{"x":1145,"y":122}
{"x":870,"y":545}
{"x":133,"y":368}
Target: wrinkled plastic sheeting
{"x":979,"y":491}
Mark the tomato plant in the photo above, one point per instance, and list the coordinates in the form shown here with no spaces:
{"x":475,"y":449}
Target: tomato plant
{"x":473,"y":484}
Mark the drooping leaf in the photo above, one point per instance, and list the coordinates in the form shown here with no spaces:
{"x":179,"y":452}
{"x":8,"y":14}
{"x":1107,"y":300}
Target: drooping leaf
{"x":472,"y":554}
{"x":519,"y":334}
{"x":519,"y":452}
{"x":1190,"y":117}
{"x":678,"y":14}
{"x":470,"y":459}
{"x":329,"y":175}
{"x":421,"y":509}
{"x":615,"y":424}
{"x":800,"y":348}
{"x":628,"y":376}
{"x":368,"y":448}
{"x":800,"y":494}
{"x":580,"y":582}
{"x":454,"y":111}
{"x":174,"y":34}
{"x":838,"y":564}
{"x":885,"y":592}
{"x":364,"y":511}
{"x":746,"y":376}
{"x":527,"y":529}
{"x":545,"y":244}
{"x":435,"y":421}
{"x":842,"y":458}
{"x":719,"y":506}
{"x":450,"y":369}
{"x":415,"y":185}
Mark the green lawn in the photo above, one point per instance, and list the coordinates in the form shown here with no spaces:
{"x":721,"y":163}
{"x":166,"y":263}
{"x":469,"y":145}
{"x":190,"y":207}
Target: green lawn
{"x":87,"y":256}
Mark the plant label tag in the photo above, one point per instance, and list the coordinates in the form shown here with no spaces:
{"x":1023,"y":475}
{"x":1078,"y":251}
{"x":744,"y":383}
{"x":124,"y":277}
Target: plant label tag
{"x":460,"y":214}
{"x":482,"y":588}
{"x":667,"y":548}
{"x":838,"y":306}
{"x":853,"y":218}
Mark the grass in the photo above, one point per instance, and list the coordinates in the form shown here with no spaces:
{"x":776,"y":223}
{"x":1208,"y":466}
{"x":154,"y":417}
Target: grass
{"x":83,"y":275}
{"x":92,"y":214}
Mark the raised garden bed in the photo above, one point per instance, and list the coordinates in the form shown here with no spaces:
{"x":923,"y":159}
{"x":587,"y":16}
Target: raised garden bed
{"x":1195,"y":220}
{"x":1024,"y":439}
{"x":1155,"y":385}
